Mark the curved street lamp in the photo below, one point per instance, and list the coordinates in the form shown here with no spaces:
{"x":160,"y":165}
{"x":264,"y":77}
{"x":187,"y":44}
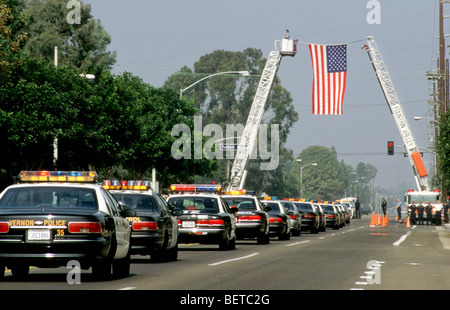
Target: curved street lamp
{"x":243,"y":73}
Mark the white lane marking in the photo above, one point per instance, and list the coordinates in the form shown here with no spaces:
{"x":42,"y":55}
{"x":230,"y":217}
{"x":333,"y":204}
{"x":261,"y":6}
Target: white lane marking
{"x":300,"y":242}
{"x":127,"y":288}
{"x":402,"y":238}
{"x":233,"y":259}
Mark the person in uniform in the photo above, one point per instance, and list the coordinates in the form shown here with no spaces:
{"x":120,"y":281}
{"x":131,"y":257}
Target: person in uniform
{"x":399,"y":209}
{"x":357,"y":209}
{"x":445,"y":209}
{"x":420,"y":210}
{"x":413,"y":213}
{"x":383,"y":206}
{"x":438,"y":218}
{"x":428,"y":208}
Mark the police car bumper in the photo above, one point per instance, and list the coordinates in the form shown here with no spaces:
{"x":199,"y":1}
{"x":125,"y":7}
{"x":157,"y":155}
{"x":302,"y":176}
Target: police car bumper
{"x":197,"y":235}
{"x":144,"y":243}
{"x":53,"y":254}
{"x":248,"y":230}
{"x":276,"y":229}
{"x":309,"y":224}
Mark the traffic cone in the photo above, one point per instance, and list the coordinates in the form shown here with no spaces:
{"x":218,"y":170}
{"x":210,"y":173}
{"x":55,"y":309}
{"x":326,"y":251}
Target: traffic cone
{"x":396,"y":219}
{"x":407,"y":222}
{"x":373,"y":220}
{"x":379,"y":220}
{"x":384,"y":221}
{"x":387,"y":219}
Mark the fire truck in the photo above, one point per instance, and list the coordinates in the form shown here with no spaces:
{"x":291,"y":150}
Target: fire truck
{"x":423,"y":192}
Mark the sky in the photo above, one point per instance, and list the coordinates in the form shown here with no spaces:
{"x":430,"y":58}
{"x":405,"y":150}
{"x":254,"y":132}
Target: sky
{"x":155,"y":38}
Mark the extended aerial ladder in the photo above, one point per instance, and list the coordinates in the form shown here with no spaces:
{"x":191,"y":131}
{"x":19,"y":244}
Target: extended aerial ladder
{"x":412,"y":150}
{"x":288,"y":47}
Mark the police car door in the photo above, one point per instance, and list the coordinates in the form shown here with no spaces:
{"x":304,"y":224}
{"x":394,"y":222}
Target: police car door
{"x":123,"y":230}
{"x":169,"y":220}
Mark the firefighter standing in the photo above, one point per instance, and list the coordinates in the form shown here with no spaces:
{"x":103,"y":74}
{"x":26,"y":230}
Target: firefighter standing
{"x":429,"y":215}
{"x":413,"y":213}
{"x":420,"y":213}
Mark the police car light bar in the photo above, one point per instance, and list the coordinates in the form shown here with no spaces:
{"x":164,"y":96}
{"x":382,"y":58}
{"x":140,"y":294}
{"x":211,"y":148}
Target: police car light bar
{"x":238,"y":192}
{"x":195,"y":188}
{"x":126,"y":185}
{"x":58,"y":176}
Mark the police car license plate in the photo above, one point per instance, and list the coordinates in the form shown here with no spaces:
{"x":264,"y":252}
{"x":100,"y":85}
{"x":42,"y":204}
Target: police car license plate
{"x":38,"y":234}
{"x":188,"y":224}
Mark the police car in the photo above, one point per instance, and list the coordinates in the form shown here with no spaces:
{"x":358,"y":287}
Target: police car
{"x":252,"y":218}
{"x":154,"y":228}
{"x":279,"y":220}
{"x":206,"y":218}
{"x":53,"y":217}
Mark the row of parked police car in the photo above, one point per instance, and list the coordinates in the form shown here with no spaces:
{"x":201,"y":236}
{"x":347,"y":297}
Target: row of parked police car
{"x":53,"y":217}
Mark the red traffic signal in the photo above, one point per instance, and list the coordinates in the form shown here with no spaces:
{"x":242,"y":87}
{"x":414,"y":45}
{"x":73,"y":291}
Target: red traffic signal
{"x":390,"y":147}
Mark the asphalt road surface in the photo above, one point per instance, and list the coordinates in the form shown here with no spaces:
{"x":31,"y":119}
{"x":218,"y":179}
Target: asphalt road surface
{"x":355,"y":257}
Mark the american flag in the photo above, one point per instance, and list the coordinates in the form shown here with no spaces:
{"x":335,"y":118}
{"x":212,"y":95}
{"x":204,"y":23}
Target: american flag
{"x":329,"y":64}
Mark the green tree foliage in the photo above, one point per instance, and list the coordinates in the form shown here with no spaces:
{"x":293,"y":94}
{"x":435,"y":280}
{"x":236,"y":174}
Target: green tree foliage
{"x":443,"y":152}
{"x":11,"y":36}
{"x":82,"y":46}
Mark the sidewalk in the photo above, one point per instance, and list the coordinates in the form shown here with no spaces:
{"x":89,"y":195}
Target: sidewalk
{"x":444,"y":235}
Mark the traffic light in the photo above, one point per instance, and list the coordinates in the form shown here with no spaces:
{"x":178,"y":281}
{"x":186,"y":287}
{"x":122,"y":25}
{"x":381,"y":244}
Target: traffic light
{"x":390,"y":147}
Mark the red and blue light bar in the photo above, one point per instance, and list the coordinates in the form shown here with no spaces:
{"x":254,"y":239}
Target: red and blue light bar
{"x":126,"y":184}
{"x":195,"y":188}
{"x":58,"y":176}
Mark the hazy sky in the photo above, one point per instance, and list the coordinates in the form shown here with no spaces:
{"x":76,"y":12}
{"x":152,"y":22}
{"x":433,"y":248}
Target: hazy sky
{"x":154,"y":39}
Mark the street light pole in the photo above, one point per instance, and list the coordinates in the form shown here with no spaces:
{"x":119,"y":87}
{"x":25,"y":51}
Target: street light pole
{"x":243,"y":73}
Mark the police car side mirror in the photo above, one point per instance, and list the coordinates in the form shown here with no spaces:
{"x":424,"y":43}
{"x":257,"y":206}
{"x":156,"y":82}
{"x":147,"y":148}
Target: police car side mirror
{"x":128,"y":213}
{"x":177,"y":212}
{"x":234,"y":210}
{"x":267,"y":209}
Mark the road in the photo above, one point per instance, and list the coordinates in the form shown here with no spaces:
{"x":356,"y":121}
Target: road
{"x":356,"y":257}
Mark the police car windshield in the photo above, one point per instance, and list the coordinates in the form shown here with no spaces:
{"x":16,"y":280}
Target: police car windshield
{"x":137,"y":202}
{"x":288,"y":205}
{"x":328,"y":208}
{"x":275,"y":208}
{"x":55,"y":197}
{"x":204,"y":204}
{"x":304,"y":207}
{"x":241,"y":203}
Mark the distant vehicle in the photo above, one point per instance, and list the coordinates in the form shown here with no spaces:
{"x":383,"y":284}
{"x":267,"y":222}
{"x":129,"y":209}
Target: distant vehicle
{"x":295,"y":217}
{"x":310,"y":216}
{"x":206,"y":217}
{"x":278,"y":219}
{"x":332,"y":215}
{"x":322,"y":216}
{"x":252,"y":217}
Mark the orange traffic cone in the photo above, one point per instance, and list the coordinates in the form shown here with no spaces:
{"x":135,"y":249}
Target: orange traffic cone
{"x":373,"y":220}
{"x":396,"y":219}
{"x":384,"y":221}
{"x":379,"y":220}
{"x":408,"y":224}
{"x":387,"y":219}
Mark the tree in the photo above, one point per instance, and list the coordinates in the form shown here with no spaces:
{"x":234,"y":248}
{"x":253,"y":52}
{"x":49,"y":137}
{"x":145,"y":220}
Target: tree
{"x":81,"y":46}
{"x":11,"y":36}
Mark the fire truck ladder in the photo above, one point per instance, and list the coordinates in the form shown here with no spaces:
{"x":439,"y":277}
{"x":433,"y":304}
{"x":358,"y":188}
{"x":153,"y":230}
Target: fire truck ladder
{"x":420,"y":173}
{"x":249,"y":135}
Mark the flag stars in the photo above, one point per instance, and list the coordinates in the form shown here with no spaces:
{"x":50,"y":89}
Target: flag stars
{"x":337,"y":59}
